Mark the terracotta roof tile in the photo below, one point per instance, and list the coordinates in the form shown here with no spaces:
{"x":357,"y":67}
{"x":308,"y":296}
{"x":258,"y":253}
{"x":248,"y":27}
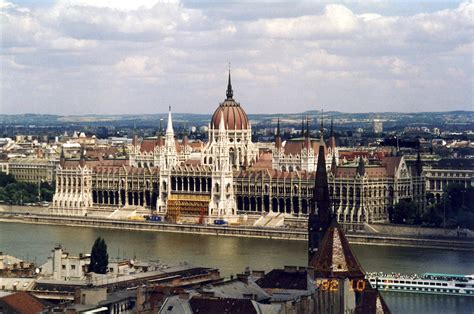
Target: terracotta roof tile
{"x":24,"y":303}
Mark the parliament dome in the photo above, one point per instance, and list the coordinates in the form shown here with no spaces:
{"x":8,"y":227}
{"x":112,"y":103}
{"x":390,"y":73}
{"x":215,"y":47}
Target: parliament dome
{"x":235,"y":117}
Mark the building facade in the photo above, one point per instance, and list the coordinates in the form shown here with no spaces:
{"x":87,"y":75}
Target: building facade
{"x":229,"y":176}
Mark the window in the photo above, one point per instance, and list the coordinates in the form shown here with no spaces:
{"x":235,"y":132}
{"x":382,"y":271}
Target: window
{"x":64,"y":266}
{"x":73,"y":267}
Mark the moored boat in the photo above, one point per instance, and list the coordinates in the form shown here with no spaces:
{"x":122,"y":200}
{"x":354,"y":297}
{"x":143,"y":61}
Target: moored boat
{"x":432,"y":283}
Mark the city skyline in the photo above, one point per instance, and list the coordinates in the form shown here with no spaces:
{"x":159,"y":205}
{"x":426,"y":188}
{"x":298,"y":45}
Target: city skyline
{"x":108,"y":57}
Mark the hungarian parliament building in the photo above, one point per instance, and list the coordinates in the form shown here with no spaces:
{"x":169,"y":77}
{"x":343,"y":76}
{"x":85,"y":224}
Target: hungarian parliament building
{"x":230,"y":177}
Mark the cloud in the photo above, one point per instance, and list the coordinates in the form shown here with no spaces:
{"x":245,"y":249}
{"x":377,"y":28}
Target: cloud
{"x":131,"y":56}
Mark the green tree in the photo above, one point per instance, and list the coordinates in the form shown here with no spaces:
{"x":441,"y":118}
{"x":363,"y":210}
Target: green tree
{"x":99,"y":257}
{"x":403,"y":212}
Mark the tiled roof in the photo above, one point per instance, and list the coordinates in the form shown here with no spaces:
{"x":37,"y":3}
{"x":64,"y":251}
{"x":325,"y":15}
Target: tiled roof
{"x":24,"y":303}
{"x":215,"y":305}
{"x":282,"y":279}
{"x":295,"y":146}
{"x":334,"y":257}
{"x":391,"y":164}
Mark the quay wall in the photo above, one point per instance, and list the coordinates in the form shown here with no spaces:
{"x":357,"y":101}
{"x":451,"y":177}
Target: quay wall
{"x":403,"y":230}
{"x":239,"y":231}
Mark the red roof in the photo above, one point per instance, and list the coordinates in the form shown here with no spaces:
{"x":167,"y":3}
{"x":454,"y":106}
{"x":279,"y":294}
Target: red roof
{"x":23,"y":302}
{"x":391,"y":164}
{"x":295,"y":146}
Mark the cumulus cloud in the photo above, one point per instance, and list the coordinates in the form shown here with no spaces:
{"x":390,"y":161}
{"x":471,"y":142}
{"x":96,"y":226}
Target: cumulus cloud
{"x":82,"y":56}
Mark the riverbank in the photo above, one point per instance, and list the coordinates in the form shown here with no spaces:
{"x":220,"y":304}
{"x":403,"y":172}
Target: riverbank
{"x":443,"y":243}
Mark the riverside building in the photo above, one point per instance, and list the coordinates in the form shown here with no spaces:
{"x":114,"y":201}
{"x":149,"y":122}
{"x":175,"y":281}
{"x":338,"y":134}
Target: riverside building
{"x":229,"y":178}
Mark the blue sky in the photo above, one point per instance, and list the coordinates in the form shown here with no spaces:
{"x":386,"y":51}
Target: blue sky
{"x":104,"y":56}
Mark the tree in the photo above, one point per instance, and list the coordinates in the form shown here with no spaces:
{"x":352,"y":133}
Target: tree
{"x":99,"y":257}
{"x":403,"y":212}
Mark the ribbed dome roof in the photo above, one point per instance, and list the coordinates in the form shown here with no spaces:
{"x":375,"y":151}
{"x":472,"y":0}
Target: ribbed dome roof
{"x":235,"y":117}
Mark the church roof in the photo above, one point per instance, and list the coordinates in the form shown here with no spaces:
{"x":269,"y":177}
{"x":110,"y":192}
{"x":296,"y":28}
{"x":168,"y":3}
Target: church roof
{"x":334,"y":257}
{"x":391,"y":163}
{"x":295,"y":146}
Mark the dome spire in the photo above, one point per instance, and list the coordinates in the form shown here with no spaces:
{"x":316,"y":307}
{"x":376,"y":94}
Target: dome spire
{"x":230,"y":92}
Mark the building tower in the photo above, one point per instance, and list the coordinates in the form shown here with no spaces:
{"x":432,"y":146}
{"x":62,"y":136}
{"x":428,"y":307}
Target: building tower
{"x":320,"y":214}
{"x":170,"y":145}
{"x":222,"y":200}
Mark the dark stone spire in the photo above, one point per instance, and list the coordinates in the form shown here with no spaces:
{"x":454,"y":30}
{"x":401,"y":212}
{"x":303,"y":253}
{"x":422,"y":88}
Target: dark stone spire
{"x":333,"y":164}
{"x":361,"y":167}
{"x":278,"y":127}
{"x":62,"y":158}
{"x":230,"y":92}
{"x":277,"y":136}
{"x":320,"y":215}
{"x":419,"y":164}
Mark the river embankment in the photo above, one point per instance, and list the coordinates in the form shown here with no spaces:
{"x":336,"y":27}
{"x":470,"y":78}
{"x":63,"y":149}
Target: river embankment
{"x":401,"y":237}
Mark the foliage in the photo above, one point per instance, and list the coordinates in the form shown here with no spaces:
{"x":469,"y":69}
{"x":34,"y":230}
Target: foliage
{"x":404,"y":212}
{"x":99,"y":257}
{"x":454,"y":209}
{"x":14,"y":192}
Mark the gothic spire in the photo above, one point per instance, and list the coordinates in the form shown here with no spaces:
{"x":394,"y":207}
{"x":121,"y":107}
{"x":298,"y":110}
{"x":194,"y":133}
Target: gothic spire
{"x":169,"y":127}
{"x":278,"y":127}
{"x":361,"y":167}
{"x":333,"y":164}
{"x":320,"y":215}
{"x":419,"y":165}
{"x":230,"y":92}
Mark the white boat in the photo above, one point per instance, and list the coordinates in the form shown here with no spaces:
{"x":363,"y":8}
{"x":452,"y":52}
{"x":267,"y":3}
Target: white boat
{"x":432,"y":283}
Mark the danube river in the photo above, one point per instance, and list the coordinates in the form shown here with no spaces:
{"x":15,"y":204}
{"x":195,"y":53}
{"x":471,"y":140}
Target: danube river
{"x":231,"y":255}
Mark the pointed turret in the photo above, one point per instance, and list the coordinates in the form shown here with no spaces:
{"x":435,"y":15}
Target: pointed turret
{"x":320,"y":216}
{"x":169,"y":127}
{"x":62,"y":157}
{"x":170,"y":146}
{"x":222,"y":125}
{"x":230,"y":92}
{"x":361,"y":167}
{"x":333,"y":164}
{"x":419,"y":164}
{"x":278,"y":136}
{"x":332,"y":138}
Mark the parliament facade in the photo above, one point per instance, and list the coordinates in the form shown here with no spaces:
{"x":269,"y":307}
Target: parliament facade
{"x":229,"y":177}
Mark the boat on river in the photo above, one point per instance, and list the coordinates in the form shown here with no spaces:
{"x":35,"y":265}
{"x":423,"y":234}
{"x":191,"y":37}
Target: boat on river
{"x":431,"y":283}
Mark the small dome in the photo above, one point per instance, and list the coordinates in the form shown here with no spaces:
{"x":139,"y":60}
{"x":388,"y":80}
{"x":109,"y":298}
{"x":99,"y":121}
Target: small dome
{"x":235,"y":117}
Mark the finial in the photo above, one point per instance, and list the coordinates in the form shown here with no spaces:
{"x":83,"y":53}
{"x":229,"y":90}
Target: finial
{"x":230,"y":92}
{"x":278,"y":127}
{"x":169,"y":108}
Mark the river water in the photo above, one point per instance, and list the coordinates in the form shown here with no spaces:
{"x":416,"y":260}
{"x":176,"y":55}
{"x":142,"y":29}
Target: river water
{"x":231,"y":255}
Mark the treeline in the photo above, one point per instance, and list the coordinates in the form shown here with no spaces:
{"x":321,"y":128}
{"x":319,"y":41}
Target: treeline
{"x":19,"y":193}
{"x":454,"y":209}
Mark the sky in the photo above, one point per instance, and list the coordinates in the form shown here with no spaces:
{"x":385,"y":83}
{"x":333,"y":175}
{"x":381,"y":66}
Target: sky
{"x":136,"y":57}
